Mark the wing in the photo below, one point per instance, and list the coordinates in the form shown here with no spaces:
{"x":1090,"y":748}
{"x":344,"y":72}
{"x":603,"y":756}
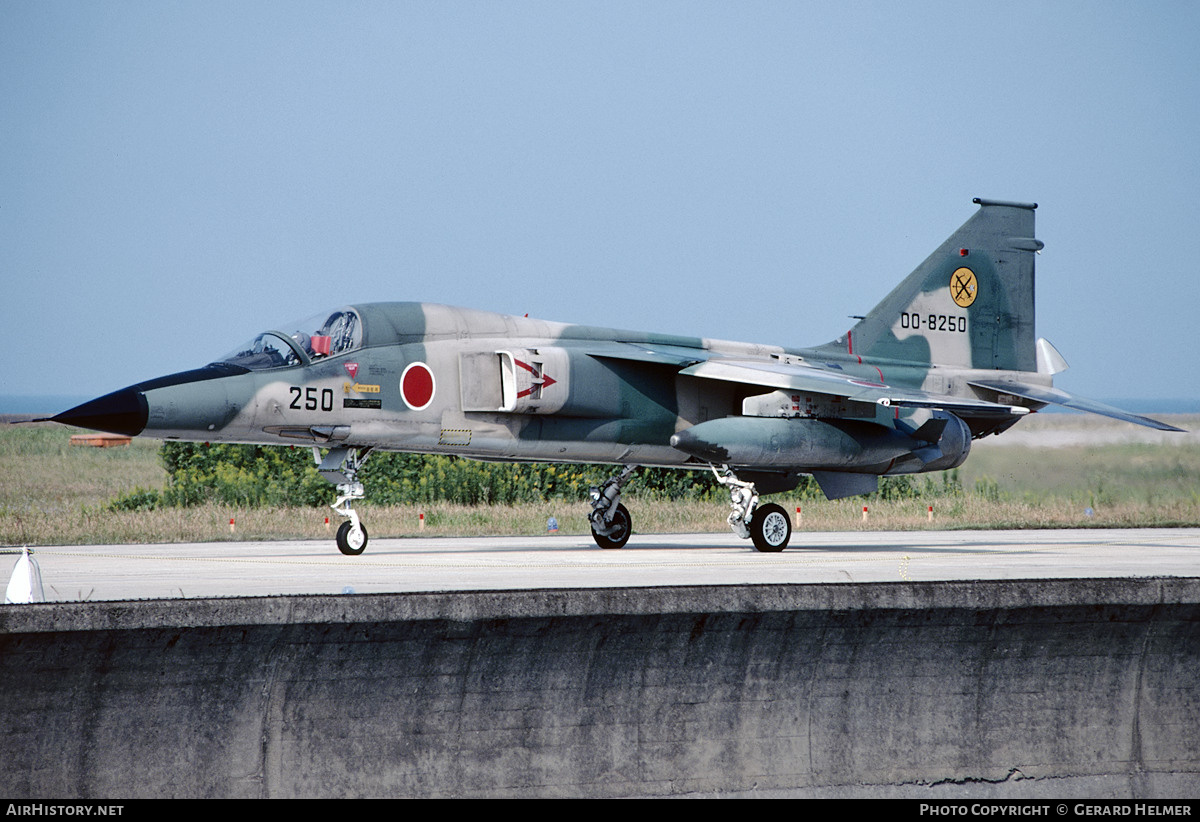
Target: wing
{"x":697,"y":362}
{"x":661,"y":354}
{"x":799,"y":377}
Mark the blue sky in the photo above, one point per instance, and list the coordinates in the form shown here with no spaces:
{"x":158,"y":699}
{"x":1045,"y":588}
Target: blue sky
{"x":176,"y":176}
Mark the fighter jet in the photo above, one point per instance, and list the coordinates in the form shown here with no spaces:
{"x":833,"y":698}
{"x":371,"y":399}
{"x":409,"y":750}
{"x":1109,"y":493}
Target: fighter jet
{"x":948,"y":357}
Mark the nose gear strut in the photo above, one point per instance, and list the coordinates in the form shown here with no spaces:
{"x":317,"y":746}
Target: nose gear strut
{"x":340,"y":467}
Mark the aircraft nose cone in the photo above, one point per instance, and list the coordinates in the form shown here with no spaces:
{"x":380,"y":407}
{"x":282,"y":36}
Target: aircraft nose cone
{"x":121,"y":412}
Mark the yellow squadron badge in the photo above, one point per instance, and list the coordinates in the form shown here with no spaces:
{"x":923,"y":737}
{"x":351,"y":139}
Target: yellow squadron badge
{"x":963,"y":287}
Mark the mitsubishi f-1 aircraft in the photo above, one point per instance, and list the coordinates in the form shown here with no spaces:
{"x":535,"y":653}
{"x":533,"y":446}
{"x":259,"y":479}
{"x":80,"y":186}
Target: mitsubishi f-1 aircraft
{"x":948,"y":357}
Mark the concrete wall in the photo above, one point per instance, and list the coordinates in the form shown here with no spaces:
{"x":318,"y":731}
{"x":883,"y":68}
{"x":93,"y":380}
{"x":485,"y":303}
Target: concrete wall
{"x":1011,"y":688}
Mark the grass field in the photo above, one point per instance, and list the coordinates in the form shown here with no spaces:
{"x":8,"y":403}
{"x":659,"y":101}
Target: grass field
{"x":1056,"y":467}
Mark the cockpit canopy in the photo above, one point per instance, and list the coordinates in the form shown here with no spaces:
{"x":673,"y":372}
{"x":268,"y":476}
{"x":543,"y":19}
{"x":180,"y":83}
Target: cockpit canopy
{"x":324,"y":335}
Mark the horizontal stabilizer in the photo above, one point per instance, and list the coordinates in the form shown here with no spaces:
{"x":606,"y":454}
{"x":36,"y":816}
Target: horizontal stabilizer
{"x":1054,"y":396}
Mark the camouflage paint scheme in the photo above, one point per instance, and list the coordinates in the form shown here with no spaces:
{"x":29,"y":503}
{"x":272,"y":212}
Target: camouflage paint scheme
{"x":949,"y":356}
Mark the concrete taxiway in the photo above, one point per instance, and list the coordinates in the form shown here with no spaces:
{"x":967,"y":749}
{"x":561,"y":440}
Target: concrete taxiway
{"x":932,"y":665}
{"x":227,"y":569}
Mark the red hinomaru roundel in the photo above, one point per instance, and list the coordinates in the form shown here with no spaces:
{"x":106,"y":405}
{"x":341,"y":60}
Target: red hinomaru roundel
{"x":417,"y":386}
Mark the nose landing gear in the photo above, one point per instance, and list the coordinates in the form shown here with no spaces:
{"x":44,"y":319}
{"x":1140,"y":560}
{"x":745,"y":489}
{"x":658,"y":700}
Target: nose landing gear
{"x":340,"y":467}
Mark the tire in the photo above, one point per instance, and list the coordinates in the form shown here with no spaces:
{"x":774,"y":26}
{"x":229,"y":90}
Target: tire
{"x":770,"y":528}
{"x":351,"y":544}
{"x":618,"y":538}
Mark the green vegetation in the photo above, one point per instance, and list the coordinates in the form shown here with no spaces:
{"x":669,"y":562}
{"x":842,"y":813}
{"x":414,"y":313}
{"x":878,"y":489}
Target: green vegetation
{"x":256,"y":477}
{"x":250,"y":476}
{"x":52,"y":493}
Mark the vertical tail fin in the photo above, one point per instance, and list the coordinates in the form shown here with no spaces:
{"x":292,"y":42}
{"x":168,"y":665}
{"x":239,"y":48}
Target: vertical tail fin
{"x":970,"y":304}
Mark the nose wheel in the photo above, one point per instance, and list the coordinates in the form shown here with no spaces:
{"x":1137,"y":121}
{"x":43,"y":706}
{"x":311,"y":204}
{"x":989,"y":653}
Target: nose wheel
{"x":340,"y":467}
{"x":352,"y":538}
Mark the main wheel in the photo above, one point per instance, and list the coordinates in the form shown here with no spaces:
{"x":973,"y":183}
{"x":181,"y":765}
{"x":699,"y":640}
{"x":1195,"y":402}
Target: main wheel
{"x":623,"y":524}
{"x":770,"y":528}
{"x":351,"y":541}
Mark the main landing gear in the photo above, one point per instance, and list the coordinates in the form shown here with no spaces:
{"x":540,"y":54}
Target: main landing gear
{"x":767,"y":526}
{"x":340,"y":467}
{"x":610,"y":521}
